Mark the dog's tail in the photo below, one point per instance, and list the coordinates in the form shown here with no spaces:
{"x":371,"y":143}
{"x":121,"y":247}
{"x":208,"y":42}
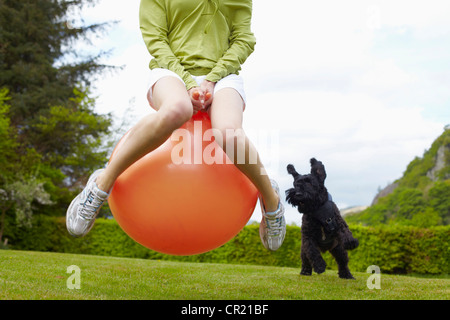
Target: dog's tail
{"x":291,"y":170}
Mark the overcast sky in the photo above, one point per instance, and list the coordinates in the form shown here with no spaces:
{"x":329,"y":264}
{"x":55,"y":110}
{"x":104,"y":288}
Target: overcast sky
{"x":363,"y":86}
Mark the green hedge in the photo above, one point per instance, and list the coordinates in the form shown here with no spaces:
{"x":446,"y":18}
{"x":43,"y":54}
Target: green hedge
{"x":395,"y":249}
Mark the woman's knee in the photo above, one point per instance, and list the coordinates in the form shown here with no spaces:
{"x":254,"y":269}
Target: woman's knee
{"x":150,"y":99}
{"x":176,"y":113}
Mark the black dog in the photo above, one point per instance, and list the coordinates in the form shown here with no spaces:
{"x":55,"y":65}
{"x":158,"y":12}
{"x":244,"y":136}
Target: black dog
{"x":323,"y":228}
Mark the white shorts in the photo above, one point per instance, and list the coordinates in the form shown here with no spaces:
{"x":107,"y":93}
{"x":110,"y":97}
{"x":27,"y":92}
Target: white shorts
{"x":231,"y":81}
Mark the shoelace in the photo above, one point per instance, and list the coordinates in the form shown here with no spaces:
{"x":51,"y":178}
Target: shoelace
{"x":274,"y":226}
{"x":90,"y":206}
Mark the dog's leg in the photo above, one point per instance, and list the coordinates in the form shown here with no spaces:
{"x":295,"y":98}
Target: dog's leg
{"x":319,"y":264}
{"x":314,"y":256}
{"x":306,"y":265}
{"x":347,"y":239}
{"x":341,"y":256}
{"x":345,"y":234}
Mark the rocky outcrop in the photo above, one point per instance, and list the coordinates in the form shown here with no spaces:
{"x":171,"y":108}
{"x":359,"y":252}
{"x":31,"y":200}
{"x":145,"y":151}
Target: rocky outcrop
{"x":440,"y":163}
{"x":384,"y":192}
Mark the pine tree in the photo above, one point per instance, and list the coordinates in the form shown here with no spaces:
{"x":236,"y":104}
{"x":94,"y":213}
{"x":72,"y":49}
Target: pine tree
{"x":50,"y":112}
{"x":33,"y":36}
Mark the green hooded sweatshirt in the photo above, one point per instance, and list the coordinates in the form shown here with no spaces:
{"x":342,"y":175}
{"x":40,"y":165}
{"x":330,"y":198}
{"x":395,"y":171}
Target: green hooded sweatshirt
{"x":197,"y":37}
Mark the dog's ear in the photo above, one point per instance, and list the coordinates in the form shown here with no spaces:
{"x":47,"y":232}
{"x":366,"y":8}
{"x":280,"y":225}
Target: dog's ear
{"x":318,"y":170}
{"x":291,"y":170}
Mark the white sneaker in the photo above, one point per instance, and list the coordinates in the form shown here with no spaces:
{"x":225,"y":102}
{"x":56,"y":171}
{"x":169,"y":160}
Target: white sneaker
{"x":84,"y":208}
{"x":272,"y":229}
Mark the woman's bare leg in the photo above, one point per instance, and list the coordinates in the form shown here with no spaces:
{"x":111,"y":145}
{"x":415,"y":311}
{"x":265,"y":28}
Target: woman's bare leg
{"x":174,"y":108}
{"x":226,"y":115}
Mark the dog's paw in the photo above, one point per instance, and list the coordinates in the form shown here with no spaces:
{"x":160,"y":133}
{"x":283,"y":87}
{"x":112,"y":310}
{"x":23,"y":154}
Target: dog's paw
{"x":346,"y":275}
{"x":306,"y":271}
{"x":351,"y":244}
{"x":320,"y":267}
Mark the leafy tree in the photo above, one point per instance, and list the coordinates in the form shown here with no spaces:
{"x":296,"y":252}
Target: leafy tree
{"x":81,"y":132}
{"x":20,"y":189}
{"x":439,"y":199}
{"x":33,"y":37}
{"x":7,"y":148}
{"x":19,"y":195}
{"x":425,"y":219}
{"x":7,"y":142}
{"x":57,"y":133}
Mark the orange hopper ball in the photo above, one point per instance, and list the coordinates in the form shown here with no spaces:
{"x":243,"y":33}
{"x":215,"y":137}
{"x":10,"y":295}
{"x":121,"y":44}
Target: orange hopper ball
{"x":196,"y":95}
{"x":185,"y":197}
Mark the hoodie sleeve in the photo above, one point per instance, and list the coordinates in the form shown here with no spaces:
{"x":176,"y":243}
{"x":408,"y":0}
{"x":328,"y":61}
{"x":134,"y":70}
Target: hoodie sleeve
{"x":154,"y":29}
{"x":242,"y":44}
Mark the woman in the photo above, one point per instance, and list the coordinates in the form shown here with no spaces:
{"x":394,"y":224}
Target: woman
{"x":198,"y":47}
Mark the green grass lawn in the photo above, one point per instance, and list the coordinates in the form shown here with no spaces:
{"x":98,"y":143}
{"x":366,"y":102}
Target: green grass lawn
{"x":41,"y":275}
